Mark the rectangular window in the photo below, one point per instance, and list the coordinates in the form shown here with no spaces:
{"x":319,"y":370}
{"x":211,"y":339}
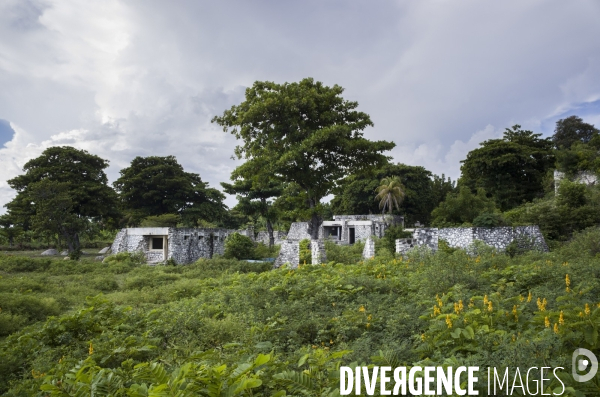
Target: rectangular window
{"x":157,"y":243}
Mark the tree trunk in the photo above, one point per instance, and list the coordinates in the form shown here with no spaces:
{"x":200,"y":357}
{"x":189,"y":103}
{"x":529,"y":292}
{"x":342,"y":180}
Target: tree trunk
{"x":270,"y":232}
{"x":315,"y":221}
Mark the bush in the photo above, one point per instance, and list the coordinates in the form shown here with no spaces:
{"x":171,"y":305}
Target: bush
{"x":305,"y":257}
{"x":18,"y":264}
{"x":239,"y":247}
{"x":489,"y":219}
{"x":347,"y":254}
{"x":393,"y":233}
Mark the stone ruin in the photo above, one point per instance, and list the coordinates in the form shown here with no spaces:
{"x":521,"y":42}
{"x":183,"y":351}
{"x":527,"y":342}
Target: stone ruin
{"x":182,"y":244}
{"x":343,"y":229}
{"x":526,"y":237}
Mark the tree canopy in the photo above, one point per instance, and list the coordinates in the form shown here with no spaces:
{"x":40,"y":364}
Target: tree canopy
{"x":422,"y":192}
{"x":154,"y":185}
{"x":253,"y":197}
{"x":572,"y":129}
{"x":304,"y":133}
{"x":462,"y":207}
{"x":511,"y":169}
{"x":60,"y":191}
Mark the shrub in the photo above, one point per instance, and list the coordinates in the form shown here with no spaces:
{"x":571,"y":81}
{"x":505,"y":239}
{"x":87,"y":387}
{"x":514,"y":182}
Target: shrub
{"x":239,"y":247}
{"x":305,"y":256}
{"x":347,"y":254}
{"x":393,"y":233}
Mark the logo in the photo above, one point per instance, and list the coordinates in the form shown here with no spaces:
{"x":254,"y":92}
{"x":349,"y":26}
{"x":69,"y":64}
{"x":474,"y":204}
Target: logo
{"x":581,"y":364}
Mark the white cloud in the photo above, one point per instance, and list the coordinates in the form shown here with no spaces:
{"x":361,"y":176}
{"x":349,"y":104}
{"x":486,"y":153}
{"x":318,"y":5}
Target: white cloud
{"x":122,"y":79}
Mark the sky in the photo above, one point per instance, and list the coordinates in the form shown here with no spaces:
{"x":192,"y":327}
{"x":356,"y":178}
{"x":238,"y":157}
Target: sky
{"x":144,"y":77}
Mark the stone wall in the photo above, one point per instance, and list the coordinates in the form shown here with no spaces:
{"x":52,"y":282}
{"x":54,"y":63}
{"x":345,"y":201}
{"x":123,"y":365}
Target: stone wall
{"x":289,"y":253}
{"x":527,"y":237}
{"x":427,"y":237}
{"x":369,"y":250}
{"x":317,"y":250}
{"x":298,"y":231}
{"x":263,"y":237}
{"x":187,"y":245}
{"x":184,"y":245}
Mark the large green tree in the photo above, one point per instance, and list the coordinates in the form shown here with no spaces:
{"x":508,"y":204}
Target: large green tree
{"x":254,"y":194}
{"x":303,"y":133}
{"x":422,"y":192}
{"x":462,"y":207}
{"x":572,"y":129}
{"x":511,"y":169}
{"x":154,"y":185}
{"x":62,"y":191}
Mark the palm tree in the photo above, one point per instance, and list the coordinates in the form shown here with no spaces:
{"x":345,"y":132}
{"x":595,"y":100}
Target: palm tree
{"x":390,"y":193}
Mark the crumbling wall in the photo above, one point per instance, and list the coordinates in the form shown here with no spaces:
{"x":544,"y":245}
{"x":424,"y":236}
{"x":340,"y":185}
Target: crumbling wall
{"x":317,"y":250}
{"x":263,"y":237}
{"x":298,"y":231}
{"x":289,"y":253}
{"x":427,"y":237}
{"x":369,"y":249}
{"x":527,"y":237}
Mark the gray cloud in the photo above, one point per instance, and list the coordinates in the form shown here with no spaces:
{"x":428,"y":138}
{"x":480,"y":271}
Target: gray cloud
{"x":122,"y":79}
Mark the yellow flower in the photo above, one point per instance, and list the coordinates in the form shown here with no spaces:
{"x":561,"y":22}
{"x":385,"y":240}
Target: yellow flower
{"x":485,"y":300}
{"x":448,"y":321}
{"x":547,"y":322}
{"x":439,"y":301}
{"x":369,"y":317}
{"x":490,"y":306}
{"x":423,"y":337}
{"x":368,"y":325}
{"x":568,"y":282}
{"x":587,"y":309}
{"x":529,"y":297}
{"x":91,"y":349}
{"x":561,"y":318}
{"x":361,"y":309}
{"x":436,"y":310}
{"x":541,"y":304}
{"x":333,"y":304}
{"x":555,"y":328}
{"x":521,"y":299}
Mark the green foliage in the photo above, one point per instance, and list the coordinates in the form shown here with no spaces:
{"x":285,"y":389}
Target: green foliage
{"x":576,"y":208}
{"x":226,"y":327}
{"x":488,"y":219}
{"x":164,"y":220}
{"x":390,"y":194}
{"x":279,"y":124}
{"x":347,"y":254}
{"x":253,"y":191}
{"x":462,"y":208}
{"x":393,"y":233}
{"x":262,"y":251}
{"x":511,"y":169}
{"x":305,"y":256}
{"x":422,"y":192}
{"x":154,"y":185}
{"x":573,"y":130}
{"x":239,"y":247}
{"x":61,"y":192}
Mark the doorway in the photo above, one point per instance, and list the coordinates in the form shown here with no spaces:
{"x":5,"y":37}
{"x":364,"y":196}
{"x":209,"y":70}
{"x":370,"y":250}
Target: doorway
{"x":351,"y":235}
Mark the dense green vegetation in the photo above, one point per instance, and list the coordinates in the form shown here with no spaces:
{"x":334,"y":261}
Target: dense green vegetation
{"x":223,"y":327}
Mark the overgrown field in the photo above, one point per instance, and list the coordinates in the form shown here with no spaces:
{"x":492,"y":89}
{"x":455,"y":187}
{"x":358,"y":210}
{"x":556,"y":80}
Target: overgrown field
{"x":227,"y":328}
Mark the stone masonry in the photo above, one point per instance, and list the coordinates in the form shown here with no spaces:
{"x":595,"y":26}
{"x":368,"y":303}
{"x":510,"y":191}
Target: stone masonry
{"x":527,"y":237}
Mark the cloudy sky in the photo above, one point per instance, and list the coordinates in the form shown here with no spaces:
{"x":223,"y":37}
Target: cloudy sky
{"x":128,"y":78}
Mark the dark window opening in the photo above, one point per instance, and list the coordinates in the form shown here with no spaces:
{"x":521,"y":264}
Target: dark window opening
{"x":352,"y":235}
{"x":157,"y":243}
{"x":186,"y":237}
